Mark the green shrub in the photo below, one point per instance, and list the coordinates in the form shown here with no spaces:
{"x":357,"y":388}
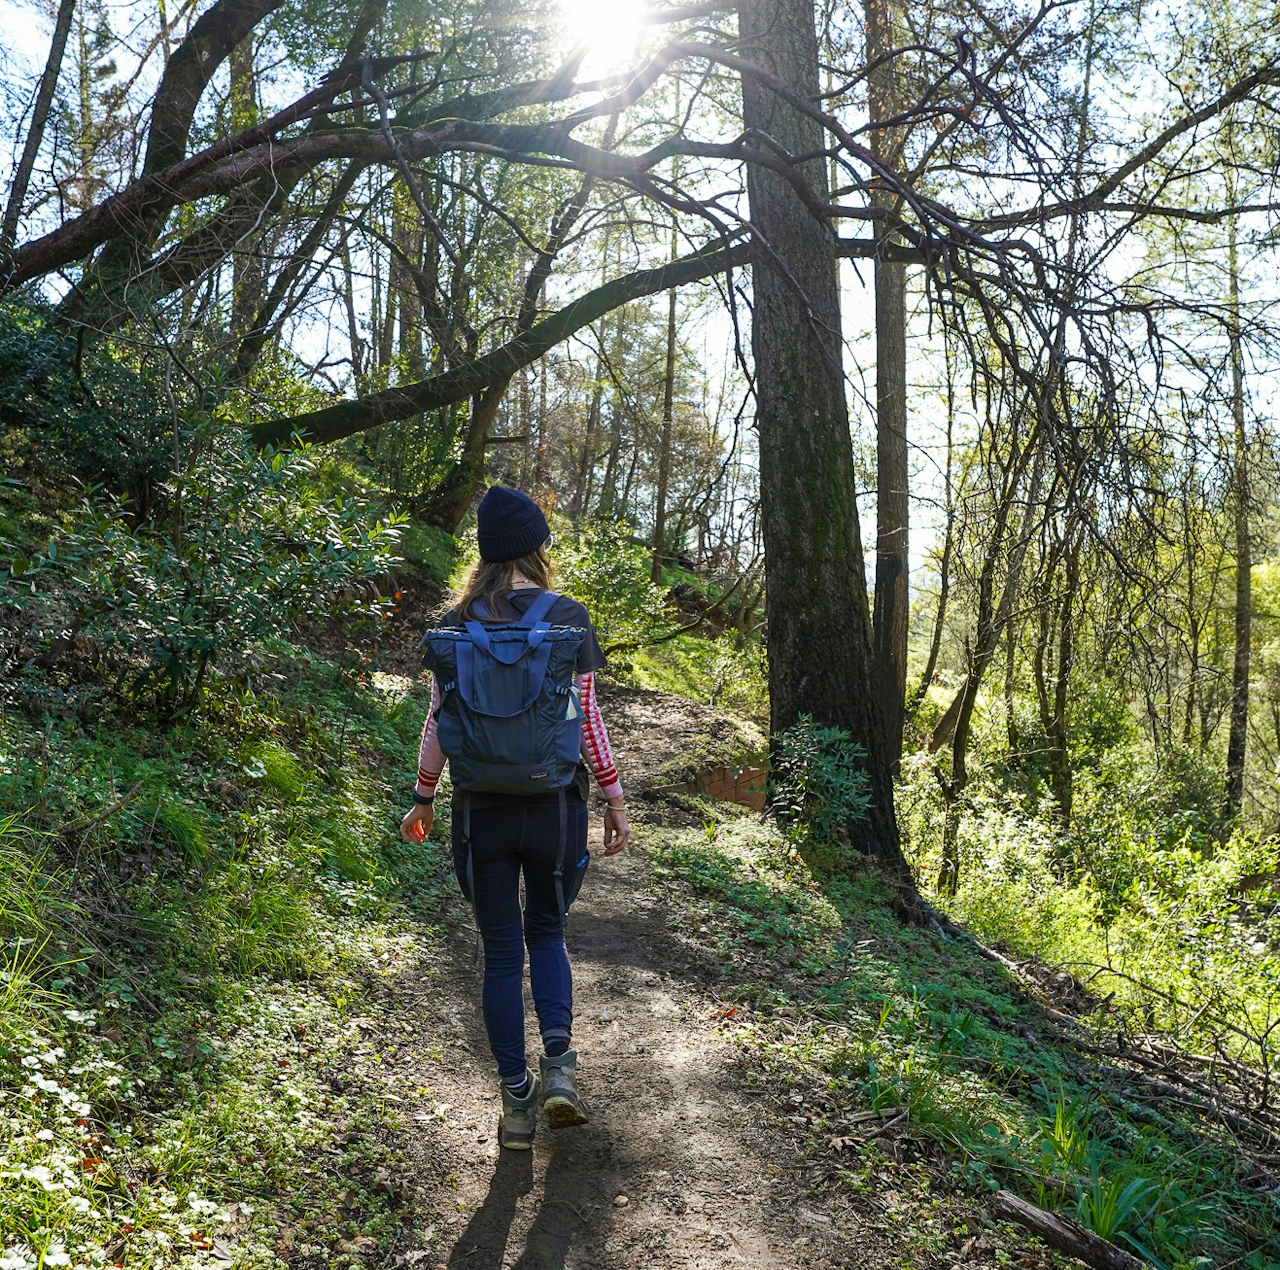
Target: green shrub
{"x":729,"y":671}
{"x":429,"y":548}
{"x":818,"y":787}
{"x":255,"y":552}
{"x":89,"y":406}
{"x":599,"y":565}
{"x":275,"y":767}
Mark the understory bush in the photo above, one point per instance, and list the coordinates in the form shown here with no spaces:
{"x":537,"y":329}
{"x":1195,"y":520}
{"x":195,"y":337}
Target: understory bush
{"x":829,"y":987}
{"x":87,"y":406}
{"x":818,"y":788}
{"x":600,"y":565}
{"x":729,"y":671}
{"x":1141,"y":896}
{"x":250,"y":548}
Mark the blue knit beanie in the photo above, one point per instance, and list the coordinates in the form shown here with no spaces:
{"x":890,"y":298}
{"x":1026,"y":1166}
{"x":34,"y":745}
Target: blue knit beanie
{"x":509,"y":524}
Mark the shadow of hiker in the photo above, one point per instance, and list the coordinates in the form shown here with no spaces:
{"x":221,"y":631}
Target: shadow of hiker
{"x":572,"y":1197}
{"x":482,"y":1245}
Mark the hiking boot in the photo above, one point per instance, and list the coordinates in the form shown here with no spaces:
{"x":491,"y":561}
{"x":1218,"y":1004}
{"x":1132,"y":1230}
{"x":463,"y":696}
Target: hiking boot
{"x":519,"y":1117}
{"x":560,"y":1099}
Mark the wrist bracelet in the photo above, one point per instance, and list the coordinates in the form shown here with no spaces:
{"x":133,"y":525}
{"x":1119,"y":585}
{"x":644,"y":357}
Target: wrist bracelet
{"x":423,"y":800}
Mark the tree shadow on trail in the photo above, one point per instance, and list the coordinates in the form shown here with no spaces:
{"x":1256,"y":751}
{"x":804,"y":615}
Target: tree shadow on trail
{"x":569,"y":1203}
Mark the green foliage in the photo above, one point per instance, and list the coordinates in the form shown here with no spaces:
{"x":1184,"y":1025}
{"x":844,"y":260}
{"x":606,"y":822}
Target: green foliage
{"x":278,"y":770}
{"x":429,"y":548}
{"x":250,"y":550}
{"x":1136,"y":895}
{"x":88,"y":407}
{"x":818,"y":787}
{"x":1111,"y":1206}
{"x":168,"y":1032}
{"x":829,"y":985}
{"x":600,"y":565}
{"x":729,"y":671}
{"x":760,"y":890}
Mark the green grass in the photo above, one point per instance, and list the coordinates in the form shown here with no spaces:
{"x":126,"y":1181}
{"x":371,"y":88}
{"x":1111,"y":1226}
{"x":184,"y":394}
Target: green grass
{"x":723,"y":672}
{"x":429,"y":548}
{"x":836,"y":992}
{"x":177,"y":977}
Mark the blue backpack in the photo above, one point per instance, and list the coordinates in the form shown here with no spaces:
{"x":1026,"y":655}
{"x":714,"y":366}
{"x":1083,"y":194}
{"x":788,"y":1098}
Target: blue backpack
{"x":510,"y":719}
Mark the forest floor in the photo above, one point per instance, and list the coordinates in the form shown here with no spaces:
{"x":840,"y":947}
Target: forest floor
{"x":685,"y":1163}
{"x":276,"y":1056}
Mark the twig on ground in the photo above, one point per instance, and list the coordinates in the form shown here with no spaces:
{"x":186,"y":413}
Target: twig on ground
{"x":81,"y":823}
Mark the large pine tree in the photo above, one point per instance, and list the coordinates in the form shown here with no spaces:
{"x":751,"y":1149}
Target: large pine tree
{"x":819,"y":627}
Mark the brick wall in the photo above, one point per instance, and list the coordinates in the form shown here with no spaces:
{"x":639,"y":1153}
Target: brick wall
{"x":742,"y":785}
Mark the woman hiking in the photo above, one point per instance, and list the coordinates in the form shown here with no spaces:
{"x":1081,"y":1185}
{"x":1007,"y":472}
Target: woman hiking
{"x":497,"y":836}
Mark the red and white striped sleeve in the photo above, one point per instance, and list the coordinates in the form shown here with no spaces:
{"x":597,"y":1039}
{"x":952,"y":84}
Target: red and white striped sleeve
{"x":595,"y":740}
{"x":430,"y":755}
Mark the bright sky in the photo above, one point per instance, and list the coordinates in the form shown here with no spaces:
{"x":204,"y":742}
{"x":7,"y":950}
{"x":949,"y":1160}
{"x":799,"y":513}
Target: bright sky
{"x":611,"y":31}
{"x":27,"y":32}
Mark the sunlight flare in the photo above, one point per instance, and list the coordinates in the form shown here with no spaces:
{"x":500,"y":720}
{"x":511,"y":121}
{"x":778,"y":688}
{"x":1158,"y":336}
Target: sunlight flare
{"x":611,"y":32}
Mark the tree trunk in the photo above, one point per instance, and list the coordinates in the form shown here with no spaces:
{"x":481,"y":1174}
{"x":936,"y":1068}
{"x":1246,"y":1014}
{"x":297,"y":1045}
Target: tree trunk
{"x":819,"y":627}
{"x":1010,"y":717}
{"x":992,"y":618}
{"x":944,"y":564}
{"x":1239,"y":730}
{"x":1052,"y":672}
{"x":247,"y":277}
{"x":274,"y":312}
{"x":607,"y":508}
{"x":209,"y":42}
{"x":1063,"y":1233}
{"x":449,"y":501}
{"x":35,"y":133}
{"x":664,"y":443}
{"x":586,"y":464}
{"x":891,"y":617}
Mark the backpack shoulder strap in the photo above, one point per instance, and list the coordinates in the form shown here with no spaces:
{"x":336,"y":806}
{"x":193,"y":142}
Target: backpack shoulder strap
{"x":538,"y":609}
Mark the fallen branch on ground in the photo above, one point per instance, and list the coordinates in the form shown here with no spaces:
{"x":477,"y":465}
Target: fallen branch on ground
{"x":1063,"y":1233}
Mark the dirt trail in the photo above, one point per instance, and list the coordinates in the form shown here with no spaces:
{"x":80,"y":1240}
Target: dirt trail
{"x":701,"y":1165}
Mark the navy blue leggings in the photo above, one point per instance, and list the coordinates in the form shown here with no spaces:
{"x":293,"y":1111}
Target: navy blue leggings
{"x":508,"y":837}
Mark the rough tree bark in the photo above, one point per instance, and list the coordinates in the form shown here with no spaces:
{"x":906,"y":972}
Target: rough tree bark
{"x":819,"y":626}
{"x":891,"y":617}
{"x":1061,"y":1232}
{"x":209,"y":43}
{"x":668,"y":419}
{"x":944,"y":563}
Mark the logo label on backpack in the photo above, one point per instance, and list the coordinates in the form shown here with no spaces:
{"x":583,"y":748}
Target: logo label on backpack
{"x":537,"y":776}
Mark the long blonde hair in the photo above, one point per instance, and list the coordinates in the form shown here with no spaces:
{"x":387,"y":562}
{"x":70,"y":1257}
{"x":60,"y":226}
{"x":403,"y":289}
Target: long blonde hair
{"x":490,"y":580}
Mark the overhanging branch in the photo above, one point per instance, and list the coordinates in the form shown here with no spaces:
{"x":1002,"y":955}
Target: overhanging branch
{"x":463,"y":382}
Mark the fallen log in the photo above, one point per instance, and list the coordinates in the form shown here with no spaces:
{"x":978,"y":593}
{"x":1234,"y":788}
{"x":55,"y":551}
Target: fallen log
{"x":1064,"y":1234}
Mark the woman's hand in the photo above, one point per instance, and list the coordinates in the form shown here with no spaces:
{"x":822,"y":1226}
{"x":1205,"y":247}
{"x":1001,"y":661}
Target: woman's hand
{"x":616,"y":829}
{"x":417,"y":823}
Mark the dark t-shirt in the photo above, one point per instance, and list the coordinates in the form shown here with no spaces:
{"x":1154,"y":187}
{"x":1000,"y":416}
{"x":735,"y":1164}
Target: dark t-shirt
{"x":564,"y":612}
